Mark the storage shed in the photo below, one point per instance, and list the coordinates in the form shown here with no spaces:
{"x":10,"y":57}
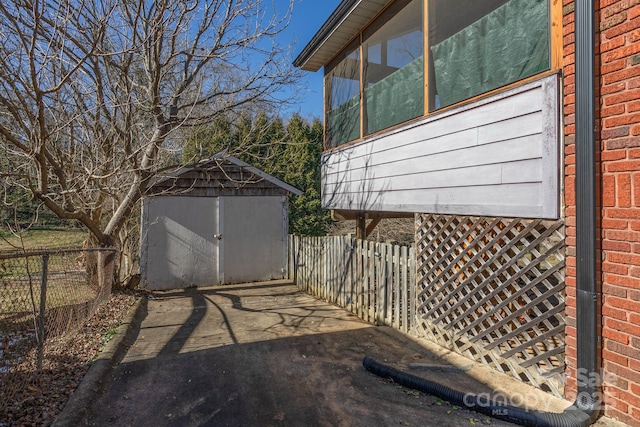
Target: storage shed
{"x":219,"y":222}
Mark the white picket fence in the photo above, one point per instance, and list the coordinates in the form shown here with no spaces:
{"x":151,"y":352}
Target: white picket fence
{"x":375,"y":281}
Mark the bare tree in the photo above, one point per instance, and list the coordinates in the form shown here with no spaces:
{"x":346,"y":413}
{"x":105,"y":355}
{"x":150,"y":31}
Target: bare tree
{"x":94,"y":94}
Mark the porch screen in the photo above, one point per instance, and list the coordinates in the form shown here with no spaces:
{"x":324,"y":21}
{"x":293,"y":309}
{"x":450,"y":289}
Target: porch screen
{"x":343,"y":122}
{"x":342,"y":97}
{"x":396,"y":98}
{"x":507,"y":44}
{"x":393,"y":66}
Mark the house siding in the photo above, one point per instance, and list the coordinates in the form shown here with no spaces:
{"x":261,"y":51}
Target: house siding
{"x":618,"y":138}
{"x":498,"y":156}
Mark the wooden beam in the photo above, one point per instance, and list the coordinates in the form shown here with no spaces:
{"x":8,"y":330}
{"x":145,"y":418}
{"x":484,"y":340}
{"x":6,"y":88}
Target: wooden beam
{"x":372,"y":226}
{"x":343,"y":215}
{"x":556,"y":35}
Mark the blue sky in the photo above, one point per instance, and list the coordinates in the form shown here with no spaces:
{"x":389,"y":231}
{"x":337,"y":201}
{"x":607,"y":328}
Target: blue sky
{"x":308,"y":17}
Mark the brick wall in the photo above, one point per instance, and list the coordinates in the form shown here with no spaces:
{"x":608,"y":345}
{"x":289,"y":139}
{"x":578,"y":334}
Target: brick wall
{"x":618,"y":116}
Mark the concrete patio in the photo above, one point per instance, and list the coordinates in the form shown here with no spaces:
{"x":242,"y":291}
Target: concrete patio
{"x":266,"y":354}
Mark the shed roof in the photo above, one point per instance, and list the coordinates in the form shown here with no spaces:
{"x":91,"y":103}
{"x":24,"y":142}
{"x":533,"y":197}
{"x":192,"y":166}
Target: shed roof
{"x":220,"y":171}
{"x":341,"y":27}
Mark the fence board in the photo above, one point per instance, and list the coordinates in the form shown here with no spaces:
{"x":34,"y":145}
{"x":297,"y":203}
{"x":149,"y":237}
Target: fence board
{"x":403,"y":310}
{"x":361,"y":279}
{"x":349,"y":262}
{"x":364,"y":279}
{"x":380,"y":266}
{"x":387,"y":304}
{"x":412,"y":288}
{"x":397,"y":287}
{"x":375,"y":281}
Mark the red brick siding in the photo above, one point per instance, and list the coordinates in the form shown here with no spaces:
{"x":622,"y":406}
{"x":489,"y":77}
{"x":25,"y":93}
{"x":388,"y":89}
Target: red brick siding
{"x":618,"y":119}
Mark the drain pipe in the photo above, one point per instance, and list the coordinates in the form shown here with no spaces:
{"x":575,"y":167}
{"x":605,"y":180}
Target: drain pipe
{"x":587,"y":300}
{"x":571,"y":417}
{"x":586,"y":407}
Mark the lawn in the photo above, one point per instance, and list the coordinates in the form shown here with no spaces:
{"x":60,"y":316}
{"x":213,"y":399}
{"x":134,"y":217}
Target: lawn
{"x":42,"y":238}
{"x":68,"y":281}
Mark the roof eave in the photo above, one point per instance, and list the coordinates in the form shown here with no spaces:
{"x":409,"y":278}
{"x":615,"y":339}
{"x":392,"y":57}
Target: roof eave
{"x":338,"y":15}
{"x":264,"y":175}
{"x":339,"y":29}
{"x":223,"y":156}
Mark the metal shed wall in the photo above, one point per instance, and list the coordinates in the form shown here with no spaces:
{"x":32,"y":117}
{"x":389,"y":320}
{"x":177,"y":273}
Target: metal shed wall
{"x":219,"y":222}
{"x":202,"y":241}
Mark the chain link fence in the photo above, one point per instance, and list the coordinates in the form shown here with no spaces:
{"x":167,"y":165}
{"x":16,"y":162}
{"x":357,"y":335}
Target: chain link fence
{"x":44,"y":296}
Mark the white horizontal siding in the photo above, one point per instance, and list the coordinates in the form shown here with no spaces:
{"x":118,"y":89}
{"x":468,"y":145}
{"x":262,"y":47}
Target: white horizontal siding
{"x":494,"y":154}
{"x":499,"y":156}
{"x":450,"y":200}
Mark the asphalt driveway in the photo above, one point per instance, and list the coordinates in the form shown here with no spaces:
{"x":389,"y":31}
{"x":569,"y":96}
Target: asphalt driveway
{"x":266,"y":354}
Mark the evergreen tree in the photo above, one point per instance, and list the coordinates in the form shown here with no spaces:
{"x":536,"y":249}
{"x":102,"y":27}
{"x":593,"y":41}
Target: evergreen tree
{"x":301,"y":166}
{"x":206,"y":141}
{"x":291,"y":153}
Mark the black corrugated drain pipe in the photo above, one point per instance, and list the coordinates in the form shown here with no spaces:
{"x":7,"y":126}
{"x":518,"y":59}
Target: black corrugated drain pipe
{"x":571,"y":417}
{"x":587,"y":405}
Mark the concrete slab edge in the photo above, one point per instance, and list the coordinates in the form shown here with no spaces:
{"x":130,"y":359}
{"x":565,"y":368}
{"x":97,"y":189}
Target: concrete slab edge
{"x":76,"y":410}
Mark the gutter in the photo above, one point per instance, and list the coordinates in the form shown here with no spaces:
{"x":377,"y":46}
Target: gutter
{"x":327,"y":28}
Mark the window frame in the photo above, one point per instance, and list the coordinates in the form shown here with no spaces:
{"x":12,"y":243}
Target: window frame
{"x":335,"y":62}
{"x":375,"y":31}
{"x":555,"y":67}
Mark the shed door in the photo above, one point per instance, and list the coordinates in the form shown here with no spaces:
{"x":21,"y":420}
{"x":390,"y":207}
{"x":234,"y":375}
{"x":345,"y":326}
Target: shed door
{"x":253,"y":238}
{"x":182,"y":248}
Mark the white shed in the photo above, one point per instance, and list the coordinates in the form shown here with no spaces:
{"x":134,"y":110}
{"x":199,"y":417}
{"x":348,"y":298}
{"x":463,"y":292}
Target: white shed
{"x":220,"y":222}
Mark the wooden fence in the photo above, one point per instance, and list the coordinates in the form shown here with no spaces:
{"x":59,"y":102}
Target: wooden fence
{"x":375,"y":281}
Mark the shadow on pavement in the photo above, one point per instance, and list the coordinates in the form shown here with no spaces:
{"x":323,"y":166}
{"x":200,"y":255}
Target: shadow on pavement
{"x":266,"y":354}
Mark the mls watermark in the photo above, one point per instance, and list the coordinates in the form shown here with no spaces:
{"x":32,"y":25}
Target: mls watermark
{"x":500,"y":402}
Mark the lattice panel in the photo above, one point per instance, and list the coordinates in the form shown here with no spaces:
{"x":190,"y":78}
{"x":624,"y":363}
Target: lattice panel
{"x":492,"y":289}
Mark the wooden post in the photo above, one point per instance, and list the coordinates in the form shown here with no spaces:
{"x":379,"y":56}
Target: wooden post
{"x":361,"y":226}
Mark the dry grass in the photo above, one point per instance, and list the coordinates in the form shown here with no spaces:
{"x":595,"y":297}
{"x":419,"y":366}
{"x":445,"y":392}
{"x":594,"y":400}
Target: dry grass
{"x":67,"y":281}
{"x":42,"y":238}
{"x":25,"y":297}
{"x":398,"y":231}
